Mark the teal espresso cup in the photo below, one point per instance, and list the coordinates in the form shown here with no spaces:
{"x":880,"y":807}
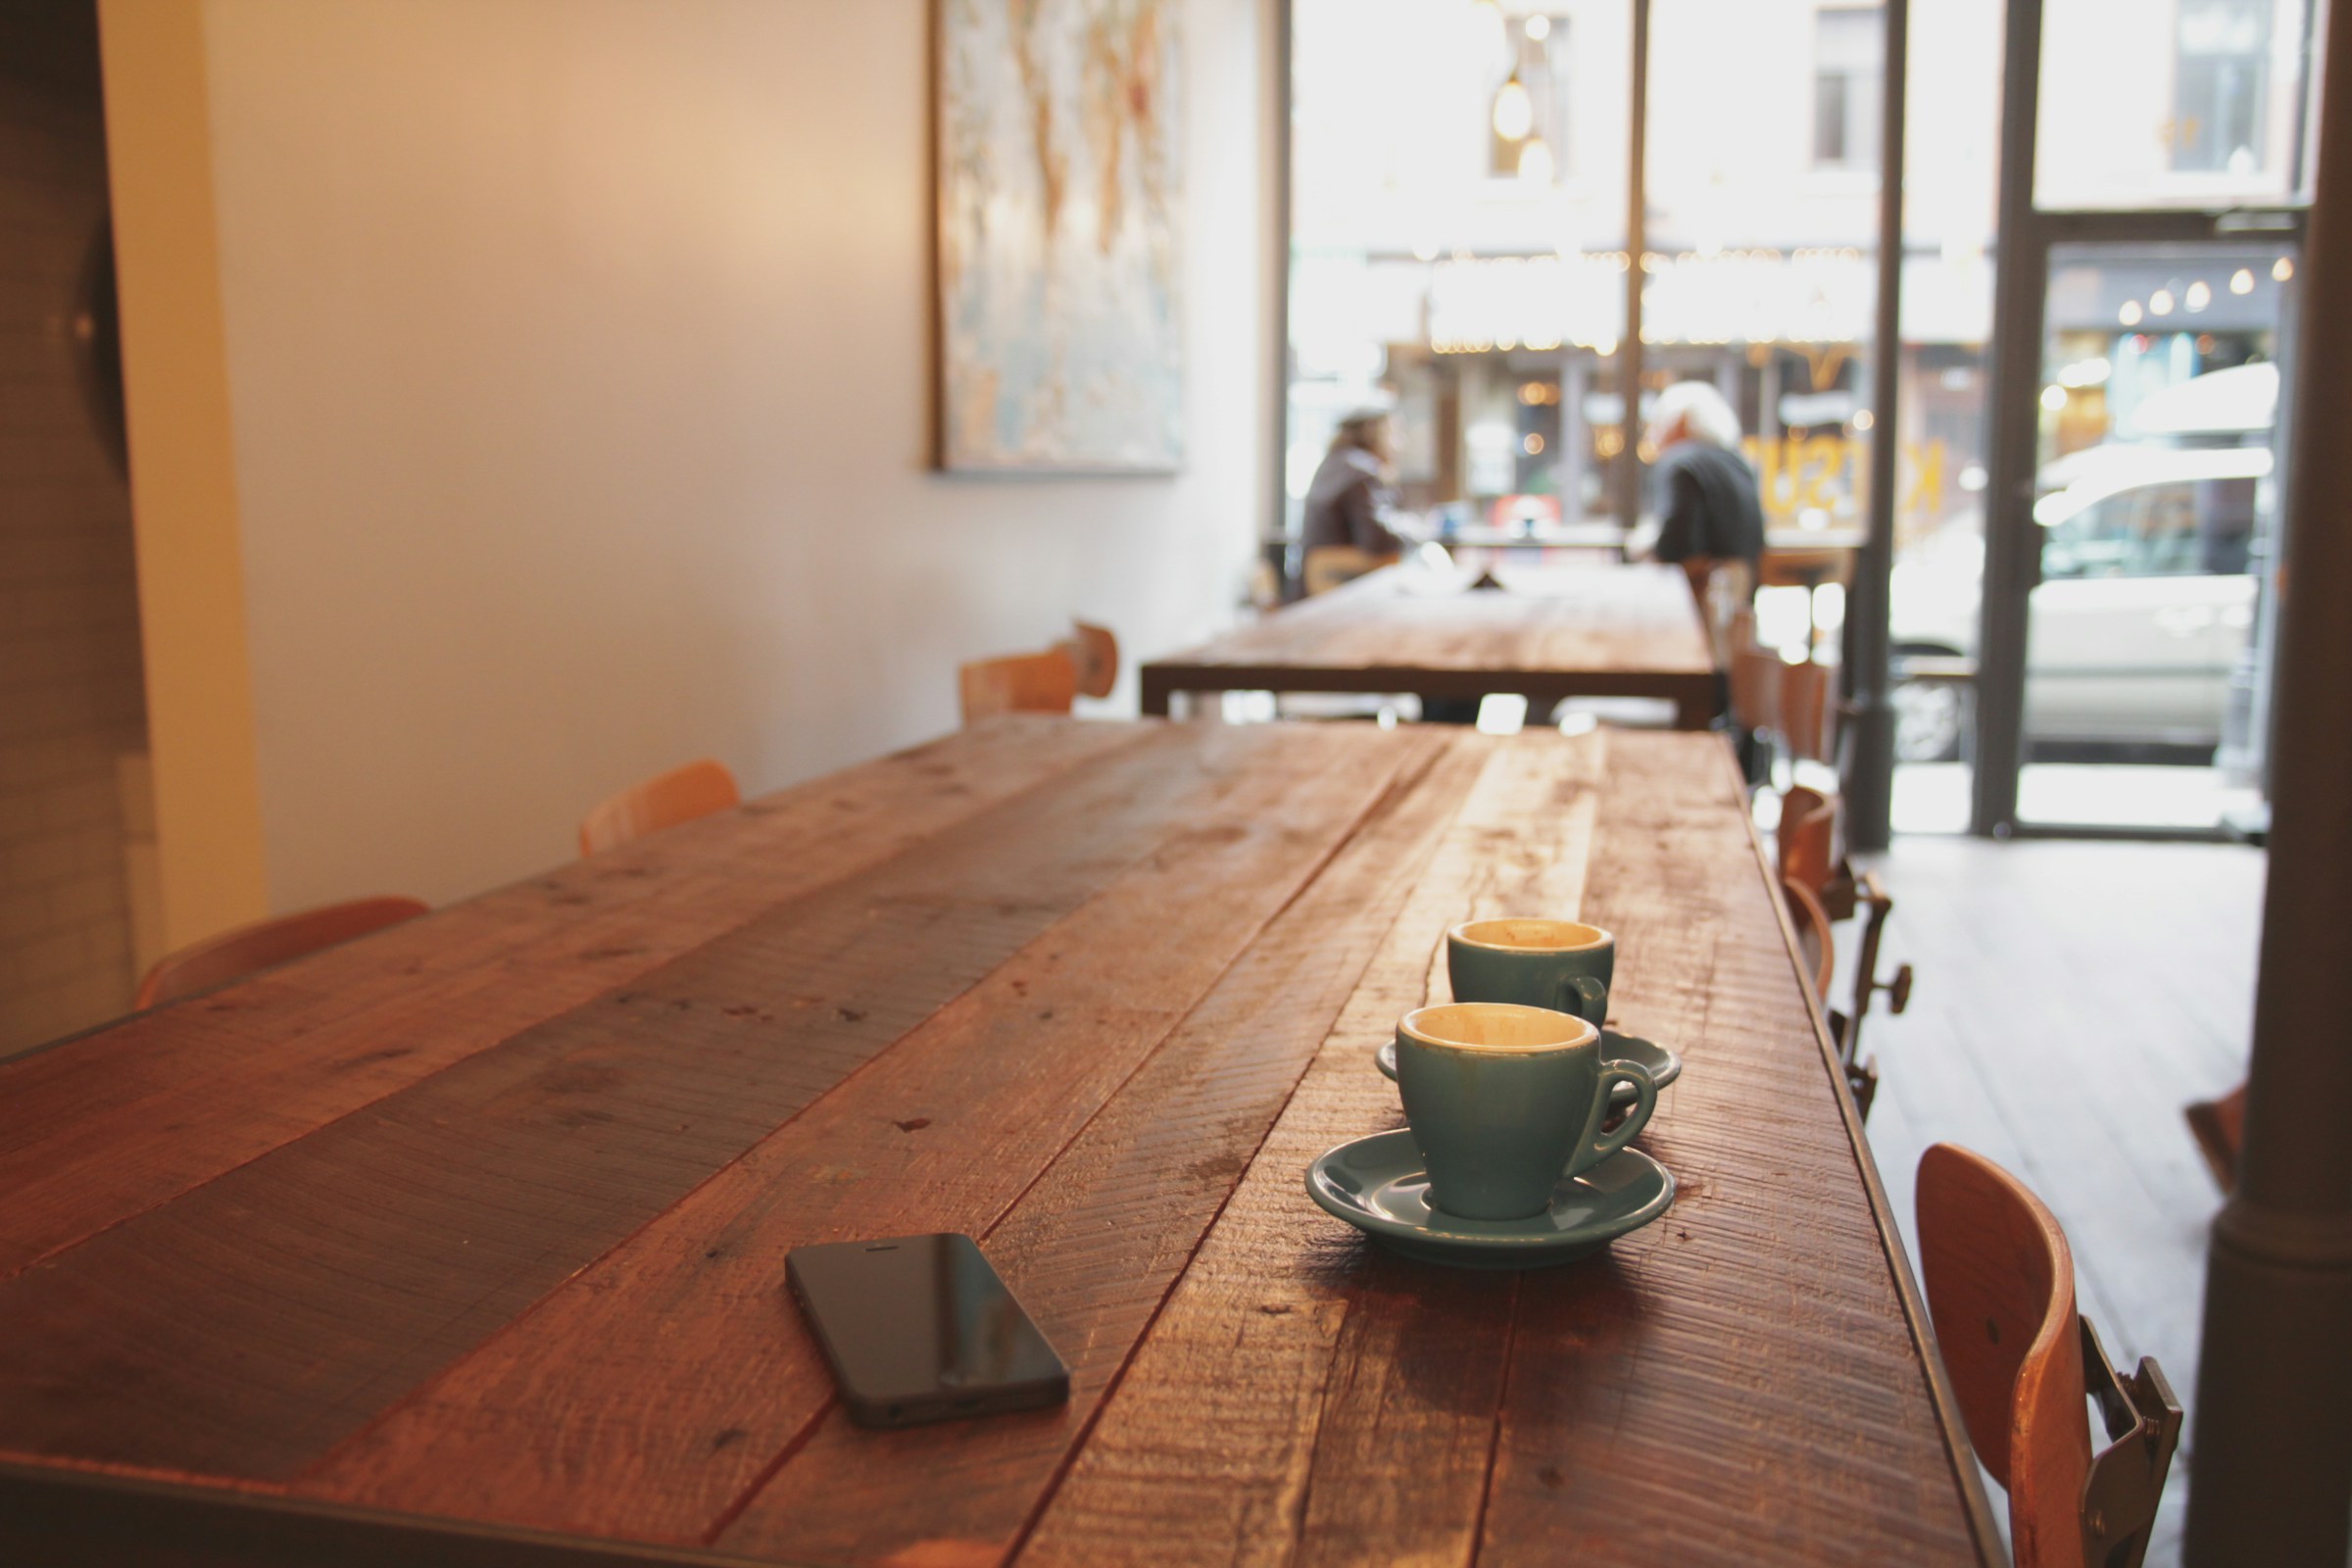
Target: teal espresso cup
{"x":1505,"y":1102}
{"x":1559,"y":964}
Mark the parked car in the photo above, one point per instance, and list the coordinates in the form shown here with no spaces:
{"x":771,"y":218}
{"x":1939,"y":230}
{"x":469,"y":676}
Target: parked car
{"x":2143,"y":608}
{"x":2145,"y":602}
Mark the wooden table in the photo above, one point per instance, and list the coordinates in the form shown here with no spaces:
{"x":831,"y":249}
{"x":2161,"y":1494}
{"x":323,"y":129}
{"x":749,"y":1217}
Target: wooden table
{"x":466,"y":1243}
{"x":1588,"y":631}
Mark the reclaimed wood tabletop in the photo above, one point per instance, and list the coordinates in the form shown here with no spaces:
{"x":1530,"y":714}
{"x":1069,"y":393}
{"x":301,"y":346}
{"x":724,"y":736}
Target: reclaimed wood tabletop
{"x":465,"y":1243}
{"x":1548,"y":633}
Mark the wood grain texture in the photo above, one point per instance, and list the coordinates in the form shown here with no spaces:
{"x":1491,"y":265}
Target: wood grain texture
{"x":1210,"y":1449}
{"x":1094,"y":1248}
{"x":1101,"y":1012}
{"x":106,"y":1125}
{"x":942,"y":1133}
{"x":2001,"y":1288}
{"x":1738,"y":1382}
{"x":1614,"y":631}
{"x":263,"y":1317}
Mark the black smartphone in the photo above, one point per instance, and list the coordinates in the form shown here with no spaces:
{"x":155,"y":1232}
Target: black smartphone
{"x":920,"y":1327}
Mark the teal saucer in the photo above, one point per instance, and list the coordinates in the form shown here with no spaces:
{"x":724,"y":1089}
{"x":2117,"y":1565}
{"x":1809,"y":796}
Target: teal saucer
{"x":1377,"y":1185}
{"x":1663,"y":1065}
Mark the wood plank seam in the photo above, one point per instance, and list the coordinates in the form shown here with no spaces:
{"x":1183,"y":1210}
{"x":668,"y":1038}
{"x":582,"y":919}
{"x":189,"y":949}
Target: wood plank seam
{"x":1338,"y":1079}
{"x":1486,"y":1492}
{"x":392,"y":1085}
{"x":664,"y":1059}
{"x":1400,"y":787}
{"x":489,"y":1392}
{"x":1387,"y":804}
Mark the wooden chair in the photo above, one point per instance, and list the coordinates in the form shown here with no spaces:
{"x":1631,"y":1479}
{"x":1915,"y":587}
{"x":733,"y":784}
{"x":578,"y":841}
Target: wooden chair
{"x":1095,"y":651}
{"x":1808,"y":708}
{"x":1809,"y":570}
{"x":1754,"y":688}
{"x":1812,"y":854}
{"x":663,"y":801}
{"x":1807,"y":838}
{"x":1813,"y":939}
{"x":1329,"y":566}
{"x":2000,"y":1286}
{"x":1025,"y":683}
{"x":249,"y":948}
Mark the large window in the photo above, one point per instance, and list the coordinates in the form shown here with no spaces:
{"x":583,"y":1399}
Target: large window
{"x":1528,"y":117}
{"x":1849,"y":45}
{"x":2219,"y":85}
{"x":2173,"y":103}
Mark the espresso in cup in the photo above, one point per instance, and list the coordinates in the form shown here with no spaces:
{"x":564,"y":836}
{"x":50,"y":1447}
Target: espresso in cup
{"x":1504,"y":1102}
{"x":1561,"y":965}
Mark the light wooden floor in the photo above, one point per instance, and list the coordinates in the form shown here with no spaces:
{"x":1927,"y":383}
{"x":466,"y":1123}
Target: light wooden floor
{"x":2071,"y":998}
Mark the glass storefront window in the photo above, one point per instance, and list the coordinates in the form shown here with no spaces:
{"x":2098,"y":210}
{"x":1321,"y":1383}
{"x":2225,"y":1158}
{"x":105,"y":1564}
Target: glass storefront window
{"x":1433,"y":273}
{"x":2155,"y":501}
{"x":1457,"y":233}
{"x":2173,"y":103}
{"x":1849,"y":51}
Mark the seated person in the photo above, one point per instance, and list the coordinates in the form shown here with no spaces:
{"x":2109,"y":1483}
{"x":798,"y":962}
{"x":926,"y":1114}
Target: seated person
{"x":1350,"y":503}
{"x":1711,"y":518}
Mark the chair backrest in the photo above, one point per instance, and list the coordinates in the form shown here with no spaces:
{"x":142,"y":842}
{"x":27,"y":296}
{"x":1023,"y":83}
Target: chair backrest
{"x":216,"y":961}
{"x":2000,"y":1287}
{"x":1025,"y":683}
{"x":663,"y":801}
{"x":1755,"y":687}
{"x":1806,"y":709}
{"x":1329,"y":566}
{"x":1813,"y":939}
{"x":1804,"y":568}
{"x":1096,"y":653}
{"x":1807,"y":837}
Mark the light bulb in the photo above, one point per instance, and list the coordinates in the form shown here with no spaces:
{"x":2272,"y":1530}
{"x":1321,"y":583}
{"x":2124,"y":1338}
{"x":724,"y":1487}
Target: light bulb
{"x":1535,"y":163}
{"x":2130,"y":313}
{"x":1514,"y":110}
{"x":2242,"y":282}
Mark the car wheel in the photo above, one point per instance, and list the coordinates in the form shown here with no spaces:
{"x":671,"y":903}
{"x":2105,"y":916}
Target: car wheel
{"x":1927,"y":721}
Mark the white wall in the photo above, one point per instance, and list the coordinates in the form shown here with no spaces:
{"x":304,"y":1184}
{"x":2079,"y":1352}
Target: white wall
{"x":579,"y":365}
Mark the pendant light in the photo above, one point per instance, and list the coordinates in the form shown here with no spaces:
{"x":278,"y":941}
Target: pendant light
{"x":1535,"y":163}
{"x":1514,"y":110}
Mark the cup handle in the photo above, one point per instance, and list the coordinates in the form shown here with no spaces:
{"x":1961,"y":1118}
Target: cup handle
{"x":1600,"y":1146}
{"x":1582,"y":996}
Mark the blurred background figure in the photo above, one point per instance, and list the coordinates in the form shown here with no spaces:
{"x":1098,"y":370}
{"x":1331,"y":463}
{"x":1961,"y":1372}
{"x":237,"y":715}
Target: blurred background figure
{"x":1350,"y":503}
{"x":1710,"y":514}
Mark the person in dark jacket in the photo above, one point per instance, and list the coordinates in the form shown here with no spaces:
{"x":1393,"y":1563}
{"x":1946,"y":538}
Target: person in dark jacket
{"x":1712,"y":517}
{"x":1350,"y":498}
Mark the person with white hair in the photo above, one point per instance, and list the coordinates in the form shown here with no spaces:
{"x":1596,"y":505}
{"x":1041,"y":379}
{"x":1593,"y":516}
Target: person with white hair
{"x":1710,"y":514}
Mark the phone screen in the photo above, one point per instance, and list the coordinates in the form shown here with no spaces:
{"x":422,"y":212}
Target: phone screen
{"x":920,"y":1327}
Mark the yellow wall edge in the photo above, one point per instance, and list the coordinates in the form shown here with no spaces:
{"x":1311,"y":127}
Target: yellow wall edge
{"x":200,"y":717}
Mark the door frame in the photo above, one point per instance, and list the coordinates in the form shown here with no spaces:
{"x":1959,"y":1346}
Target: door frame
{"x":2025,"y":236}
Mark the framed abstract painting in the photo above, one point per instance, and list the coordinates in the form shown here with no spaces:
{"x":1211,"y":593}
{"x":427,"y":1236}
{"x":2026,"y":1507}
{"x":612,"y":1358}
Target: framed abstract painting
{"x":1059,"y":154}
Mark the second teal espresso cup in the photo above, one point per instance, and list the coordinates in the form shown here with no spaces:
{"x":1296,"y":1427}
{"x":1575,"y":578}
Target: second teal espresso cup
{"x":1561,"y":964}
{"x":1504,"y":1102}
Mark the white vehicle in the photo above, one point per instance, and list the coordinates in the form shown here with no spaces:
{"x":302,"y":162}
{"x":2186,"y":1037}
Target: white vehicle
{"x":2145,"y":602}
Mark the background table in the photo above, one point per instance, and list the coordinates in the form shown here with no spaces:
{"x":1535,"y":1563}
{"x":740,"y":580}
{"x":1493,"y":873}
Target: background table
{"x":465,"y":1243}
{"x":1588,"y":631}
